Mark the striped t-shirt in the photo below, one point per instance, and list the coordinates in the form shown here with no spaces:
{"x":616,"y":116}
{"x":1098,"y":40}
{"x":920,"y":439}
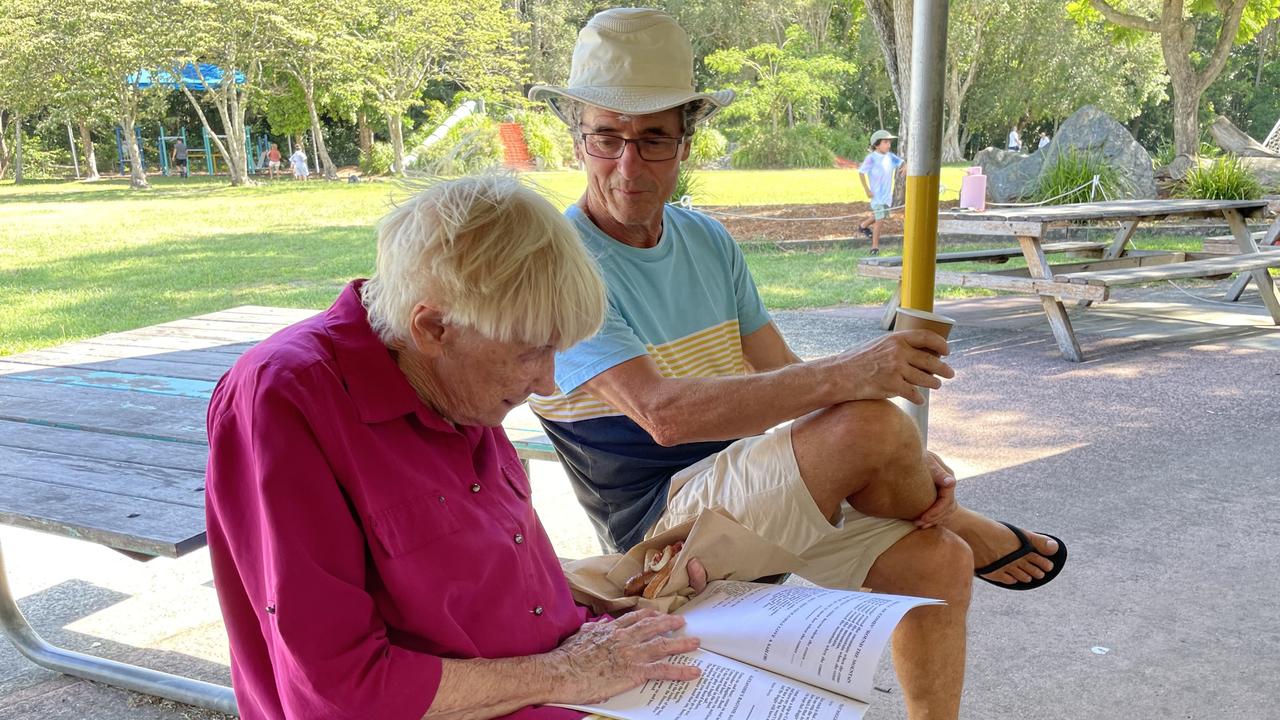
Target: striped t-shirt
{"x":685,"y":302}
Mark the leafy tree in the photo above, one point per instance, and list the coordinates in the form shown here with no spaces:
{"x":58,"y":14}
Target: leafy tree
{"x":1246,"y":90}
{"x":24,"y":46}
{"x":1192,"y":66}
{"x":778,"y":82}
{"x":409,"y":43}
{"x":235,"y":36}
{"x":316,"y":45}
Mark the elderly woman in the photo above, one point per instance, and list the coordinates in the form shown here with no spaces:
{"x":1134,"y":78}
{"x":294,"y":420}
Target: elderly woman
{"x":374,"y":548}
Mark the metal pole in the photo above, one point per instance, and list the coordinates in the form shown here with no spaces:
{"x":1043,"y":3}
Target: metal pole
{"x":75,"y":161}
{"x":130,"y":677}
{"x":924,"y":166}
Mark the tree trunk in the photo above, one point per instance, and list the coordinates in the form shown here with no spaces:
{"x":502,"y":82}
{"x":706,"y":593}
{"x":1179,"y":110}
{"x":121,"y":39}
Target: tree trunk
{"x":235,"y":111}
{"x":902,"y":10}
{"x":317,"y":134}
{"x":951,"y":128}
{"x":17,"y":149}
{"x":90,"y":157}
{"x":396,"y":131}
{"x":365,"y":137}
{"x":1186,"y":130}
{"x":4,"y":147}
{"x":137,"y":173}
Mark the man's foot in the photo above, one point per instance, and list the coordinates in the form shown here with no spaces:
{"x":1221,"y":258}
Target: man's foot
{"x":866,"y":231}
{"x":875,"y":251}
{"x":991,"y":540}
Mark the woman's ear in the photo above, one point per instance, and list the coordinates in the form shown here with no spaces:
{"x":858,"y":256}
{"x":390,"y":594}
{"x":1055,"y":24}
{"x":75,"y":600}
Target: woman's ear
{"x":428,"y":330}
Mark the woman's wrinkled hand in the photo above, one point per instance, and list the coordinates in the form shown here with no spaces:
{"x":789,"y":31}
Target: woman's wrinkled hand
{"x":606,"y":658}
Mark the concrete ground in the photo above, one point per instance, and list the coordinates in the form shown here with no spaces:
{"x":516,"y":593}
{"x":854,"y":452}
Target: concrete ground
{"x":1156,"y":461}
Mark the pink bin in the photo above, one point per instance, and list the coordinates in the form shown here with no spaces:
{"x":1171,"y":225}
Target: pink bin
{"x":973,"y":190}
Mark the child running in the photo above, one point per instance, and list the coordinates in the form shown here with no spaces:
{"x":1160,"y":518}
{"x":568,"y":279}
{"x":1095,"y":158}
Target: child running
{"x":876,"y":174}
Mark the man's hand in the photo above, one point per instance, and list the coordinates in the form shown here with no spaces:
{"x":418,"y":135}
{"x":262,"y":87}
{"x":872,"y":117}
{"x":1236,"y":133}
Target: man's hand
{"x":945,"y":505}
{"x":898,"y":364}
{"x":697,"y":575}
{"x":606,"y":658}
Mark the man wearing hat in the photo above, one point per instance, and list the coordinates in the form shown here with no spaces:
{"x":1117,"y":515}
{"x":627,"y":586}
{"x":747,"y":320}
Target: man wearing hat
{"x":689,"y":397}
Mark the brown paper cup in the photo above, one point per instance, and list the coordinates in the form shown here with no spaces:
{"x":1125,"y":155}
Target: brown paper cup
{"x":921,"y":320}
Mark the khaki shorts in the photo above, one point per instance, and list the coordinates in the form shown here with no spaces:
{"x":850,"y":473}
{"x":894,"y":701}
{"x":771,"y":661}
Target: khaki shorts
{"x":758,"y":481}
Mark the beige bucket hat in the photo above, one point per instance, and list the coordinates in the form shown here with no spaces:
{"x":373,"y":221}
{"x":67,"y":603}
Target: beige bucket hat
{"x":634,"y":61}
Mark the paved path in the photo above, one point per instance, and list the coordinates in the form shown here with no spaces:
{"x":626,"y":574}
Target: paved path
{"x":1156,"y":460}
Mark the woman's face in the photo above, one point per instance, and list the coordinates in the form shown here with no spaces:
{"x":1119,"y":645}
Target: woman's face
{"x":477,"y":381}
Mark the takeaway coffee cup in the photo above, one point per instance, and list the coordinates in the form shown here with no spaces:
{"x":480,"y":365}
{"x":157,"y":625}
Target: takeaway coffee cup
{"x":921,"y":320}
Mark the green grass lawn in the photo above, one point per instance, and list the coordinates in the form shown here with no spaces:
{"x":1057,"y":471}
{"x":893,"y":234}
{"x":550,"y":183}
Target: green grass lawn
{"x":756,"y":187}
{"x":78,"y":260}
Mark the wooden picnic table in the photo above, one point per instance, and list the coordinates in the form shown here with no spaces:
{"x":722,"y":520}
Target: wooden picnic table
{"x":104,"y":440}
{"x":1107,"y":265}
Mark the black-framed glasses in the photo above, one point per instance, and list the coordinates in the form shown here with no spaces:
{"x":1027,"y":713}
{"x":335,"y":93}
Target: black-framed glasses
{"x":611,"y":147}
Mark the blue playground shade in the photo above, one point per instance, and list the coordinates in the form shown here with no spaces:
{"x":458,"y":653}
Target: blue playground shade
{"x":189,"y":77}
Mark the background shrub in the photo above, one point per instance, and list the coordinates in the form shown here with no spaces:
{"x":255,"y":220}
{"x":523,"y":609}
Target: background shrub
{"x":548,"y":139}
{"x":709,"y":145}
{"x":1060,"y":182}
{"x":802,"y":146}
{"x":470,"y":146}
{"x":379,"y":160}
{"x":686,"y":184}
{"x":1223,"y":179}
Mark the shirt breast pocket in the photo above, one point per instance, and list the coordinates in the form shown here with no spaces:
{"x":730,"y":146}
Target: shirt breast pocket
{"x":412,"y":525}
{"x":517,"y":479}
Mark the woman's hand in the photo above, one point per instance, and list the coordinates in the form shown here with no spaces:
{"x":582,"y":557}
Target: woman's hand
{"x":606,"y":658}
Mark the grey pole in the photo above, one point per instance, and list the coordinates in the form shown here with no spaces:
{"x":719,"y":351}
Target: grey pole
{"x":75,"y":161}
{"x":924,"y":160}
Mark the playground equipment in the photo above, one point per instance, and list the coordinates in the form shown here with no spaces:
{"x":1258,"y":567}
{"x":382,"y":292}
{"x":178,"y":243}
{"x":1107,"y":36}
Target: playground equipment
{"x":467,"y":108}
{"x":1273,"y":138}
{"x":122,"y":155}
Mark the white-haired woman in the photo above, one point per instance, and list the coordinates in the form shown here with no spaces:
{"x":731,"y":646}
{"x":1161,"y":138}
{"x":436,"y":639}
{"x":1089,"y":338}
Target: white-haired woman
{"x":373,"y":544}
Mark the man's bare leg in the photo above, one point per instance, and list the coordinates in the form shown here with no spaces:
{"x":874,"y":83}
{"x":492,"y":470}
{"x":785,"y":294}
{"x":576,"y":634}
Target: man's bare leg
{"x":869,"y":454}
{"x":929,"y":644}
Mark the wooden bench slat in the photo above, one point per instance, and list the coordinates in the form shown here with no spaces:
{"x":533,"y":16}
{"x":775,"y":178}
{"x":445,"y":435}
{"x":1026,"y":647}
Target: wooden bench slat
{"x":1226,"y":265}
{"x":129,"y":480}
{"x":156,"y":528}
{"x":163,"y":417}
{"x":141,"y":365}
{"x":100,"y":446}
{"x":993,"y":255}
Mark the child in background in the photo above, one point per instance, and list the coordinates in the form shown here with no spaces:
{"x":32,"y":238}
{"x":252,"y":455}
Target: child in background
{"x":299,"y":162}
{"x":877,"y":173}
{"x":273,"y":160}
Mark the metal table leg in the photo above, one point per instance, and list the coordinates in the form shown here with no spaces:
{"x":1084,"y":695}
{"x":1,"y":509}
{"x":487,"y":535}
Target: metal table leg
{"x":109,"y":672}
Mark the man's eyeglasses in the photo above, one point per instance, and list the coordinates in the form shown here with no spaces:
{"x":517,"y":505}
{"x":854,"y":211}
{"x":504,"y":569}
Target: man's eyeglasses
{"x":611,"y":147}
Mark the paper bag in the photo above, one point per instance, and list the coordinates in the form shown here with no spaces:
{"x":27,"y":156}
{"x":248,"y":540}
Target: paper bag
{"x":726,"y":548}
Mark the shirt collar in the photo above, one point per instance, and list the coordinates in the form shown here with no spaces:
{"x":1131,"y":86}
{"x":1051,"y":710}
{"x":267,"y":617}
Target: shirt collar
{"x":378,"y":388}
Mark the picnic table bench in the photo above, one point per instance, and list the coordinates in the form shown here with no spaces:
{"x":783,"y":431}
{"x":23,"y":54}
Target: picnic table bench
{"x":104,"y":440}
{"x":1110,"y":264}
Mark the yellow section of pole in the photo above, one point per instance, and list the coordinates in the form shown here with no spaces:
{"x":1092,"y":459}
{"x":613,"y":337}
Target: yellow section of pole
{"x":920,"y":242}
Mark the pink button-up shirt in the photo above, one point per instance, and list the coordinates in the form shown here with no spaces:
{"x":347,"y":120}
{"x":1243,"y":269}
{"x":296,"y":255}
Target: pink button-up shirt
{"x":357,"y":537}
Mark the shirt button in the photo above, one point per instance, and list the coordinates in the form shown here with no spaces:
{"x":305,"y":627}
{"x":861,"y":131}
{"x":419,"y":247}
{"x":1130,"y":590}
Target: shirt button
{"x":519,"y":539}
{"x":475,"y":487}
{"x":537,"y":610}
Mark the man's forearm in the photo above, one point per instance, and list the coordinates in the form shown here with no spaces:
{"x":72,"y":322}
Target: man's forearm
{"x":697,"y":410}
{"x":480,"y":689}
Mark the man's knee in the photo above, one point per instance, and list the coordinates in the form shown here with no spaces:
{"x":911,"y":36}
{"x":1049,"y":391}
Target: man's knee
{"x":880,"y":430}
{"x":934,"y":563}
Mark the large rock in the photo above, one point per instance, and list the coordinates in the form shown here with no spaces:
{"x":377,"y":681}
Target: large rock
{"x":1010,"y":175}
{"x":1088,"y":130}
{"x":1267,"y":170}
{"x":1236,"y":141}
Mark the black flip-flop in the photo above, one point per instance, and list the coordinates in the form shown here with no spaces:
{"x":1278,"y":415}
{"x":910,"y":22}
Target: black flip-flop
{"x":1058,"y":559}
